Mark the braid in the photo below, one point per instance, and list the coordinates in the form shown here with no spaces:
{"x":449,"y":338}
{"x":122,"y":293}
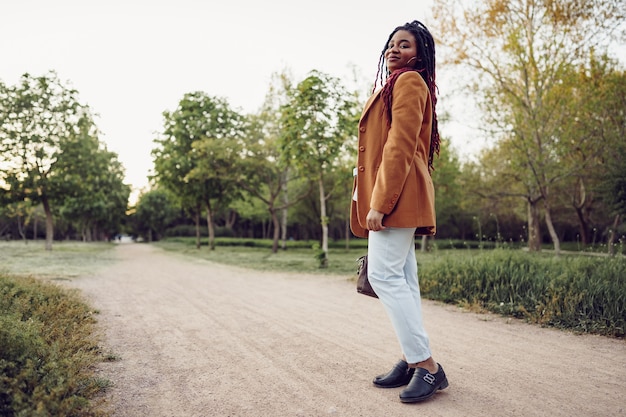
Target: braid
{"x":426,"y":68}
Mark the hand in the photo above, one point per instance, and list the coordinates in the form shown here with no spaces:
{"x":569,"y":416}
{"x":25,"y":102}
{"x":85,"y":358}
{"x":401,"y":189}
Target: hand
{"x":374,"y":220}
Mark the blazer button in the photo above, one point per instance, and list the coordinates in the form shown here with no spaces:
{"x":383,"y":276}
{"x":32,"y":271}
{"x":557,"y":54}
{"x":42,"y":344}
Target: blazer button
{"x":361,"y":148}
{"x":361,"y":168}
{"x":362,"y":129}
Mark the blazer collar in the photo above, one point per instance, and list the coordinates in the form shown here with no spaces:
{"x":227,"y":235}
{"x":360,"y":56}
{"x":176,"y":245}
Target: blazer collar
{"x":371,"y":101}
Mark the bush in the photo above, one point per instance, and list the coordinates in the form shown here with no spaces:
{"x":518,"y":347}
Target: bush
{"x":583,"y":294}
{"x":47,"y":351}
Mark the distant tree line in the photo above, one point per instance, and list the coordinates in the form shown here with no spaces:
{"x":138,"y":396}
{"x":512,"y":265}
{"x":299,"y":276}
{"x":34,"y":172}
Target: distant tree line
{"x":553,"y":103}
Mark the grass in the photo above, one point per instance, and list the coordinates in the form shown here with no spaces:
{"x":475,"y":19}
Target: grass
{"x":66,"y":260}
{"x":579,"y":293}
{"x":300,"y":256}
{"x":294,"y":259}
{"x":49,"y":345}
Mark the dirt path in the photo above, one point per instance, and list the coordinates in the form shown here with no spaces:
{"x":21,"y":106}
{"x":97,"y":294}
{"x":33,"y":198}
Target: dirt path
{"x":202,"y":339}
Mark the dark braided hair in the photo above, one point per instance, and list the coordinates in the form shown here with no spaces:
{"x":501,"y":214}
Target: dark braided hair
{"x":425,"y":66}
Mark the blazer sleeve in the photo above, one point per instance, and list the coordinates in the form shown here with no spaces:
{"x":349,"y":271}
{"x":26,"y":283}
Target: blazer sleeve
{"x":409,"y":101}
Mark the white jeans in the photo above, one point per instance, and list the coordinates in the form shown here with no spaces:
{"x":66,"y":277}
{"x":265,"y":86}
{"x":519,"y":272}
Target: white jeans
{"x":392,"y":272}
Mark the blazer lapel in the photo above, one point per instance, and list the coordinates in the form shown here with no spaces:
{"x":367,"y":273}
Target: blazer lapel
{"x":370,"y":101}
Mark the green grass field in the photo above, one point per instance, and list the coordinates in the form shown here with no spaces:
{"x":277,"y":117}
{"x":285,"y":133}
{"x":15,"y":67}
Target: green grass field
{"x":65,"y":260}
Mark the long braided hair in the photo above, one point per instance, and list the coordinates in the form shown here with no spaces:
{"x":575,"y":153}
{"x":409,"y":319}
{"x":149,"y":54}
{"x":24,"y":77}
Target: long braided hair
{"x":425,"y":66}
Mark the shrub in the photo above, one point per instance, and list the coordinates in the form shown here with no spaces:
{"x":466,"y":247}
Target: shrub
{"x":47,"y":351}
{"x":583,"y":294}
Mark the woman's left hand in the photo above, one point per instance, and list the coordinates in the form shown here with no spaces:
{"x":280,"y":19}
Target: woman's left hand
{"x":374,"y":220}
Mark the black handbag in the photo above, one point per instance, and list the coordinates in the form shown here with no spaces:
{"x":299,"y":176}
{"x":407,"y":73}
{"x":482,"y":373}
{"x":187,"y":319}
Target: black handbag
{"x":362,"y":283}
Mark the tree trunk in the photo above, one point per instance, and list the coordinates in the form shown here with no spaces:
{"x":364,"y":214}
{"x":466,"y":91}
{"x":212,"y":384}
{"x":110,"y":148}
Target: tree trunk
{"x":424,"y":243}
{"x":283,"y":222}
{"x":231,"y":219}
{"x":20,"y":229}
{"x":555,"y":237}
{"x":209,"y":220}
{"x":324,"y":221}
{"x":616,"y":222}
{"x":276,"y":233}
{"x":49,"y":223}
{"x":534,"y":235}
{"x":582,"y":226}
{"x":579,"y":201}
{"x":197,"y":221}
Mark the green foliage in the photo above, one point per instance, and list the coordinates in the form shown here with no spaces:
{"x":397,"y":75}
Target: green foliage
{"x":89,"y":183}
{"x":612,"y":173}
{"x":38,"y":115}
{"x":549,"y":127}
{"x":51,"y":155}
{"x":266,"y":180}
{"x":47,"y":351}
{"x":319,"y":255}
{"x":319,"y":123}
{"x":185,"y":230}
{"x":316,"y":123}
{"x":155,"y":211}
{"x":197,"y":154}
{"x":579,"y":293}
{"x":453,"y":198}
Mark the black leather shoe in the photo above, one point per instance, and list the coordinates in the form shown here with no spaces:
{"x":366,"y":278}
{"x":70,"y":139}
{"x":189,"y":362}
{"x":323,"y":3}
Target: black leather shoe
{"x":400,"y":375}
{"x":424,"y":385}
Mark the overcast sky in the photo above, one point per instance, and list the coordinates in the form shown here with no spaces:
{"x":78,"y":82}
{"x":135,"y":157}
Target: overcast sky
{"x":132,"y":59}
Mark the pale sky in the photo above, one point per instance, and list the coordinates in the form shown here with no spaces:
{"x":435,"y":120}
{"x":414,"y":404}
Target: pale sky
{"x":130,"y":60}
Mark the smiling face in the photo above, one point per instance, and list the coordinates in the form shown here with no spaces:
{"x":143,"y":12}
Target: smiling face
{"x":401,"y":51}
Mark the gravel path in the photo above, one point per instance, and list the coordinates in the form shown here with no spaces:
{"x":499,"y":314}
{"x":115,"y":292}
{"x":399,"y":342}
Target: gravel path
{"x":202,"y":339}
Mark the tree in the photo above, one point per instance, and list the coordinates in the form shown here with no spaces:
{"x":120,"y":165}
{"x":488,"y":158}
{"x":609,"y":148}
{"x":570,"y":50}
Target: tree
{"x":521,"y":50}
{"x":612,"y":172}
{"x":594,"y":126}
{"x":317,"y":122}
{"x":195,"y":154}
{"x":262,"y":174}
{"x":37,"y":115}
{"x":499,"y":183}
{"x":155,"y":211}
{"x":88,"y":183}
{"x":448,"y":190}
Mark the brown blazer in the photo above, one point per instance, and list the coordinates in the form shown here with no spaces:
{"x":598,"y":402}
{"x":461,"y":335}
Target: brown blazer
{"x":392,"y":161}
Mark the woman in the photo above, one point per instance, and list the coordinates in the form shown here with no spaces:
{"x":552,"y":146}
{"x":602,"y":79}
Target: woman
{"x":394,"y":198}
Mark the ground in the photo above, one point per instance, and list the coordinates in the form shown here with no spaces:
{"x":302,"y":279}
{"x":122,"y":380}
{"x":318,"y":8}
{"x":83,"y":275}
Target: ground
{"x":195,"y":338}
